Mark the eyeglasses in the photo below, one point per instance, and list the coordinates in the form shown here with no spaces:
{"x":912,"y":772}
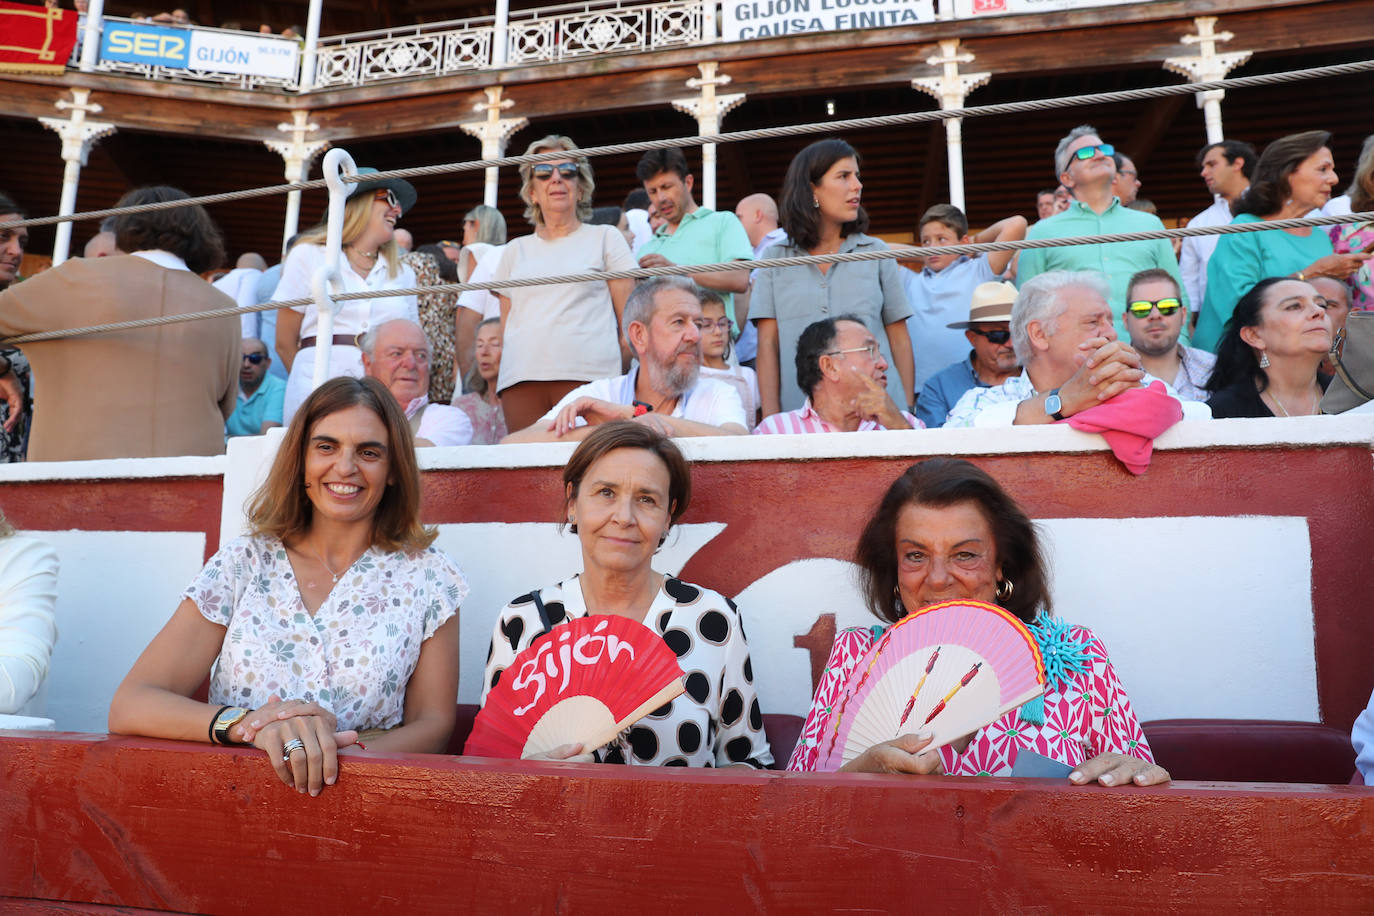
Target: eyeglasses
{"x":1087,"y":152}
{"x":997,"y":337}
{"x":706,"y":324}
{"x":254,"y":358}
{"x":871,"y":349}
{"x":1141,"y":308}
{"x":544,"y":170}
{"x":387,"y":195}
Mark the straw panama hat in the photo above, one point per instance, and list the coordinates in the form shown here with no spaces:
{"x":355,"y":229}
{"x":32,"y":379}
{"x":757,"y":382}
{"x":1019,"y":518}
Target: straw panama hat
{"x":991,"y":302}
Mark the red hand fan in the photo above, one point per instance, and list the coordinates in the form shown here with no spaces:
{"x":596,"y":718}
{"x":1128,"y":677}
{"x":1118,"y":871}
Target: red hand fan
{"x":582,"y":682}
{"x":948,"y":669}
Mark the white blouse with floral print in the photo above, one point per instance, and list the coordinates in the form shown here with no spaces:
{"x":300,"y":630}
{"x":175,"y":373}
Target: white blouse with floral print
{"x":353,"y":656}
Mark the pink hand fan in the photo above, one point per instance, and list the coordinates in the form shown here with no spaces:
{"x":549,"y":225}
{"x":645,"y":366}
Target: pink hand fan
{"x":582,"y":682}
{"x":949,"y":669}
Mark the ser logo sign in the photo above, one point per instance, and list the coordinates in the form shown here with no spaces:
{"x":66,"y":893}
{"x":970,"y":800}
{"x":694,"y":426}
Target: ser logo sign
{"x":144,"y":44}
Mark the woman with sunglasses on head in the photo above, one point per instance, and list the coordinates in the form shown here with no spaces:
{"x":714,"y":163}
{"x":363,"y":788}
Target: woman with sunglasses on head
{"x":820,"y":210}
{"x":1154,"y":319}
{"x":560,"y":336}
{"x":715,"y":353}
{"x":1294,"y":176}
{"x":371,"y":261}
{"x":1269,"y":356}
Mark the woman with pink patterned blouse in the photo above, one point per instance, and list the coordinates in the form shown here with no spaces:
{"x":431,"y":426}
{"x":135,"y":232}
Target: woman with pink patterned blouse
{"x":946,"y":531}
{"x":334,"y":618}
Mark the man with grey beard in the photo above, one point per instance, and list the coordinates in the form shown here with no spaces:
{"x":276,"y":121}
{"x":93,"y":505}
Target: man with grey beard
{"x":662,"y":324}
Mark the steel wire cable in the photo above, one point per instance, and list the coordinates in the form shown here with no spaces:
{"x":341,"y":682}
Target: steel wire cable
{"x":899,"y":252}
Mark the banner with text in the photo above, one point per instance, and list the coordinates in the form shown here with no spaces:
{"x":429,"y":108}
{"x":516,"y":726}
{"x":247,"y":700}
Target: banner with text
{"x":747,"y":19}
{"x":198,"y":49}
{"x":972,"y":9}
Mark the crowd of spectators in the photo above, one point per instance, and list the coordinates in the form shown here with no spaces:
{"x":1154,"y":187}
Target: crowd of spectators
{"x":986,"y":340}
{"x":1118,"y":337}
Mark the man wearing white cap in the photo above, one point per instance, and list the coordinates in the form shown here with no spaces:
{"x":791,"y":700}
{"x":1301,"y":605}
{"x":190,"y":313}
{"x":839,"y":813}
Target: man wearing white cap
{"x":991,"y":361}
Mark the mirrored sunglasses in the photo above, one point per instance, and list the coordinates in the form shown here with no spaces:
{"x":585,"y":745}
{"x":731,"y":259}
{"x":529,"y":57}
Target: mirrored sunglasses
{"x":1088,"y":152}
{"x":387,"y":195}
{"x":1141,"y":308}
{"x":544,"y":170}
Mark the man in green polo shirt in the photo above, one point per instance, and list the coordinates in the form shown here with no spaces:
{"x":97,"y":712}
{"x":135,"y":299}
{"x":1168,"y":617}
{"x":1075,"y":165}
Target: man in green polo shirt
{"x":691,"y":234}
{"x":1084,"y":164}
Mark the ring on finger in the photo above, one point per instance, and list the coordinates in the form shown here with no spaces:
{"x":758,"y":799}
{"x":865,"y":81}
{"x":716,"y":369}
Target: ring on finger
{"x":295,"y":744}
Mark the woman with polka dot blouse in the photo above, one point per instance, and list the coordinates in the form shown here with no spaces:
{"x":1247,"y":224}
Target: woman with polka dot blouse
{"x":625,"y":486}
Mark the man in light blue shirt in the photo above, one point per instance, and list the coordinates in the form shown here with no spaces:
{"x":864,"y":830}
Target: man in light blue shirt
{"x":1084,"y":164}
{"x":758,"y":213}
{"x":991,"y":361}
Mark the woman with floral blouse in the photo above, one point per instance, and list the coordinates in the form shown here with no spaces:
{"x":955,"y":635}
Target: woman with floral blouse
{"x":947,"y":531}
{"x":334,"y":616}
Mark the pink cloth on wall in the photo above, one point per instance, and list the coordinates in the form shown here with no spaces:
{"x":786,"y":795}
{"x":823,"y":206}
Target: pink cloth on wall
{"x":1131,"y":421}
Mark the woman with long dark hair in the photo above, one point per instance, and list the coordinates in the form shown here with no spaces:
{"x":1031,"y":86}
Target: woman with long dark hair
{"x":821,"y":212}
{"x":1269,"y":356}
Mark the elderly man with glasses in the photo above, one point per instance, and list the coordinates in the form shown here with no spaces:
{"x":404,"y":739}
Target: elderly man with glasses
{"x":1154,"y":319}
{"x":1061,"y":328}
{"x":844,"y":375}
{"x":260,"y":394}
{"x":1084,"y":165}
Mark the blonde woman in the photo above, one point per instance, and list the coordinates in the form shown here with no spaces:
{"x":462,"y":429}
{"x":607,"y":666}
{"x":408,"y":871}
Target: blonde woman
{"x":372,"y":261}
{"x":558,"y":337}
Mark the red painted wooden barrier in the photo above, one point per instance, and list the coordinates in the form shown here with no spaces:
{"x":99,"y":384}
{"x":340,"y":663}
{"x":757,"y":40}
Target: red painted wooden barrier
{"x":169,"y":826}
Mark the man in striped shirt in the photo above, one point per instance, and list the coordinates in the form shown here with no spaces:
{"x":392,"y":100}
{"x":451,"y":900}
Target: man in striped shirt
{"x":842,"y":370}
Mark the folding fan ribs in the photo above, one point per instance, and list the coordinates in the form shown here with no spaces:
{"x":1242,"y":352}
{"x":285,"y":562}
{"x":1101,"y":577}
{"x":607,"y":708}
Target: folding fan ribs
{"x":582,"y":682}
{"x":949,"y":669}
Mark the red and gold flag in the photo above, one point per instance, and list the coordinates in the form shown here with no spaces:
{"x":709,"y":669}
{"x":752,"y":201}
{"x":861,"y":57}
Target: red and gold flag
{"x":35,"y":39}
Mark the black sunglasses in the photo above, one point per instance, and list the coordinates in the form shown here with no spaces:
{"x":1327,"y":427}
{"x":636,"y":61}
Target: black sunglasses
{"x":997,"y":337}
{"x":254,"y":358}
{"x":544,"y":170}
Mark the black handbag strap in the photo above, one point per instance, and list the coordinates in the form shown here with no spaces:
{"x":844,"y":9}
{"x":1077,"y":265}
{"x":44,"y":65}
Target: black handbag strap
{"x":543,"y":615}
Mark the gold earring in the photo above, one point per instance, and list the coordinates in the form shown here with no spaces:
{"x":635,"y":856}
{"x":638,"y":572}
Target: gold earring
{"x":1004,"y":589}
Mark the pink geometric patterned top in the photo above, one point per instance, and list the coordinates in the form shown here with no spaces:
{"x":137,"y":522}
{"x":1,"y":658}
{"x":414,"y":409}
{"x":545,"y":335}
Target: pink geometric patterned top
{"x":1087,"y":716}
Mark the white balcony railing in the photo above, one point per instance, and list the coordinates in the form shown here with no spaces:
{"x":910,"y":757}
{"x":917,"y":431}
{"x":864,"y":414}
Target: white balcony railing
{"x":534,"y":36}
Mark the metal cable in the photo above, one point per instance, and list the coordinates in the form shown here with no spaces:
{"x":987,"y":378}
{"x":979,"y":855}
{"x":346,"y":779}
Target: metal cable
{"x":903,"y":251}
{"x":764,"y":133}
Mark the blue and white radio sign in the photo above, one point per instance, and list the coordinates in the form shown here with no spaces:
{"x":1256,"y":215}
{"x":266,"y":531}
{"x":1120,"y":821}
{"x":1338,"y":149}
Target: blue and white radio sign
{"x":200,"y":49}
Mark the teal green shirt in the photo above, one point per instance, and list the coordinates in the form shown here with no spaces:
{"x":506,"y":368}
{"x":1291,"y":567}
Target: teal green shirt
{"x":704,"y":236}
{"x":1242,"y":260}
{"x":1119,"y":261}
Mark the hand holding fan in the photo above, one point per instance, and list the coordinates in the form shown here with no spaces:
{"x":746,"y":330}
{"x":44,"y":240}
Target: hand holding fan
{"x":948,"y":669}
{"x":583,"y":682}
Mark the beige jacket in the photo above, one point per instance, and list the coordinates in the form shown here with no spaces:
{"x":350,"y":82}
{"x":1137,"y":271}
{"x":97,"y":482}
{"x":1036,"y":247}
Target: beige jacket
{"x":149,"y":392}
